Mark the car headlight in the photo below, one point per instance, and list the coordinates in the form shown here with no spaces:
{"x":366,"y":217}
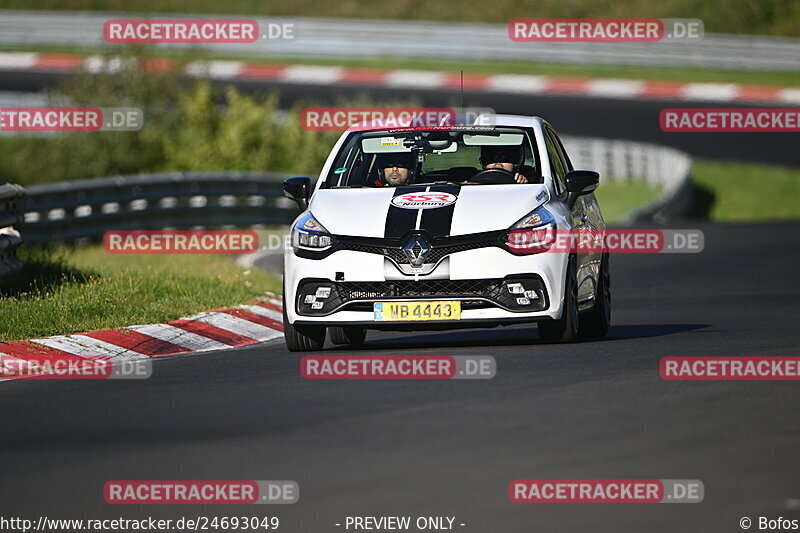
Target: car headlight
{"x":309,"y":234}
{"x":532,"y":234}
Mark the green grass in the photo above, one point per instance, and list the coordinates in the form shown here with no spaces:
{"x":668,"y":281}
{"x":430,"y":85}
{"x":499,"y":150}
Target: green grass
{"x":75,"y":289}
{"x":728,"y":192}
{"x":777,"y":17}
{"x":724,"y":192}
{"x":617,"y":199}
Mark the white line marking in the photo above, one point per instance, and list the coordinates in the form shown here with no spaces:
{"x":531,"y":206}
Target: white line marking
{"x":263,"y":311}
{"x":16,"y":60}
{"x":419,"y":211}
{"x":100,"y":64}
{"x":615,"y":88}
{"x":84,"y":346}
{"x":517,"y":83}
{"x":414,"y":78}
{"x":249,"y":260}
{"x":311,"y":74}
{"x":222,"y":70}
{"x":791,"y":96}
{"x":187,"y":339}
{"x":710,"y":91}
{"x":237,"y":325}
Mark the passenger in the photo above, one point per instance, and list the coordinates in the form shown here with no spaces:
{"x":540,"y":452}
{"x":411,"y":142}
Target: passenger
{"x":508,"y":158}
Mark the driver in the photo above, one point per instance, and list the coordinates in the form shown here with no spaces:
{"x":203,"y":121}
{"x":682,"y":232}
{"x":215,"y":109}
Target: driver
{"x":508,"y":158}
{"x":395,"y":169}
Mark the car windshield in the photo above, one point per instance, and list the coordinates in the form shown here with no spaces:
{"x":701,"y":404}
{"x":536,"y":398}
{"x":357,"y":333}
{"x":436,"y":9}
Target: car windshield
{"x":468,"y":157}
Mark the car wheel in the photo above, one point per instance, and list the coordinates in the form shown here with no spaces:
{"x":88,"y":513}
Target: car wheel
{"x":302,"y":338}
{"x":565,"y":329}
{"x":347,"y":335}
{"x":595,"y":323}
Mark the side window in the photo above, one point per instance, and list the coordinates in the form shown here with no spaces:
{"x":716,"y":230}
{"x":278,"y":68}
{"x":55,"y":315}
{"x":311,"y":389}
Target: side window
{"x":556,"y":162}
{"x":350,"y":166}
{"x":564,"y":156}
{"x":531,"y":160}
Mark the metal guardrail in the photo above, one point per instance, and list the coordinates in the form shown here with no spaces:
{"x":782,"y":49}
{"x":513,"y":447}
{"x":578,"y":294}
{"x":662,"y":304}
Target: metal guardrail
{"x":657,"y":166}
{"x":10,"y":238}
{"x":319,"y":37}
{"x":86,"y":209}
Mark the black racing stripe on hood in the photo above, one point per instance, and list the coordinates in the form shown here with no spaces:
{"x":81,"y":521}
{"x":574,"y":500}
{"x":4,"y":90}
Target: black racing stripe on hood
{"x":400,"y":221}
{"x":437,"y":222}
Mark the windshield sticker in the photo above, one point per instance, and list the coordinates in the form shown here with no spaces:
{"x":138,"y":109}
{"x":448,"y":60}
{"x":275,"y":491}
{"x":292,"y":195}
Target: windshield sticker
{"x":424,"y":200}
{"x":390,"y":141}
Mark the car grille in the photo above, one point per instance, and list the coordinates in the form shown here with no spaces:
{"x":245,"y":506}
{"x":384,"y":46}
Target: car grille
{"x":360,"y":290}
{"x":436,"y":254}
{"x":319,"y":297}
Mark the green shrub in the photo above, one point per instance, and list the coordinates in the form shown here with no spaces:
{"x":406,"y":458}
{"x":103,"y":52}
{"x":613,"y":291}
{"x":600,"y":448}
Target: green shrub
{"x":189,"y":125}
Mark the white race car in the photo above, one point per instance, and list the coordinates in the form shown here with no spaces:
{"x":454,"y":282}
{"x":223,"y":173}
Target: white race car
{"x":411,"y":229}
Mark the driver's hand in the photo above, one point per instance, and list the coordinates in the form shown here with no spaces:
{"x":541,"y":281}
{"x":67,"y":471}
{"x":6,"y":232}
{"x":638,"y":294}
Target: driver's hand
{"x":520,"y":178}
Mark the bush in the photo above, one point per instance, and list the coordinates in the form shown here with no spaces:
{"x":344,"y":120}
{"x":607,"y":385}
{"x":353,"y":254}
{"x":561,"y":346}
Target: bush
{"x":189,"y":125}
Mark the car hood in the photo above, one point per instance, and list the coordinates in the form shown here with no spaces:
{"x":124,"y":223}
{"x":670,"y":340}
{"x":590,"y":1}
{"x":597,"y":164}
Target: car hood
{"x":448,"y":209}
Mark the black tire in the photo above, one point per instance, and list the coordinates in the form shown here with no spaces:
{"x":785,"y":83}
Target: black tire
{"x":347,"y":335}
{"x":302,"y":338}
{"x":565,"y":329}
{"x":595,"y":322}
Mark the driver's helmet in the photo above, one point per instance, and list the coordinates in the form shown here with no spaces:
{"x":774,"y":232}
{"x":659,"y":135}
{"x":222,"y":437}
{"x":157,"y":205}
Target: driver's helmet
{"x":502,"y":154}
{"x":396,"y":159}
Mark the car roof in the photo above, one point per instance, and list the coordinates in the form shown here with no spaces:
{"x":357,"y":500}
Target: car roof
{"x":494,"y":119}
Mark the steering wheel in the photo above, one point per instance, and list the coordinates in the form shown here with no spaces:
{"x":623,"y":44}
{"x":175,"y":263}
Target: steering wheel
{"x":493,"y":176}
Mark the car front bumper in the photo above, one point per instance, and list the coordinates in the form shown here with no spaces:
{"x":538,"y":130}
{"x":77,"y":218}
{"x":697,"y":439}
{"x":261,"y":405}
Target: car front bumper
{"x":478,"y":278}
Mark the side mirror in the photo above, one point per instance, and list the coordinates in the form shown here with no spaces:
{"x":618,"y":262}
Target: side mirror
{"x":580,"y":182}
{"x":298,"y":189}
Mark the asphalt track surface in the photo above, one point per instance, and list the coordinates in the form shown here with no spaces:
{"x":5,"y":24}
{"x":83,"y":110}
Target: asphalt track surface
{"x":569,"y":114}
{"x":594,"y":409}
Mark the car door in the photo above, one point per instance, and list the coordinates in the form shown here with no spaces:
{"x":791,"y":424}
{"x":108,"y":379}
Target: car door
{"x":582,"y":219}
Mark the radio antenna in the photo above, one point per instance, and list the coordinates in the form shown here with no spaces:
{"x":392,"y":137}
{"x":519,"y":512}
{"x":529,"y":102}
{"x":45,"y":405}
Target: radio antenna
{"x":462,"y":91}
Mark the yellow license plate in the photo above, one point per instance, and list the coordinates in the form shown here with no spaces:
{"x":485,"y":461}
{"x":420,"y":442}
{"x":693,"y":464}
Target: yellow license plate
{"x":413,"y":311}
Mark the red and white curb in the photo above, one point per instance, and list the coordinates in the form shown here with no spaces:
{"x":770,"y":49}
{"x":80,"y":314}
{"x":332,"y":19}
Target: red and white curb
{"x":419,"y":79}
{"x":219,"y":329}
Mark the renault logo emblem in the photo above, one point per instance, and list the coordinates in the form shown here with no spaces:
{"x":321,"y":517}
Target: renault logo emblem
{"x":416,"y":249}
